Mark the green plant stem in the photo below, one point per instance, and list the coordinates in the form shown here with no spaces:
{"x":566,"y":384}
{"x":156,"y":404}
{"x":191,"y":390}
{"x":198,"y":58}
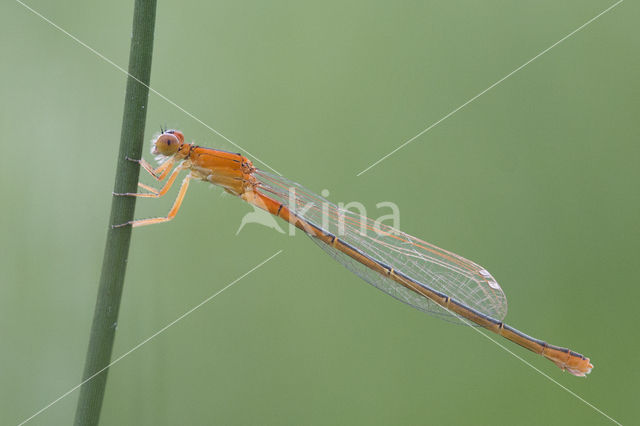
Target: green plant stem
{"x":116,"y":251}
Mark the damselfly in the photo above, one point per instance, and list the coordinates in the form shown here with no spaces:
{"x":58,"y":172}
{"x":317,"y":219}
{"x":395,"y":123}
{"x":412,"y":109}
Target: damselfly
{"x":413,"y":271}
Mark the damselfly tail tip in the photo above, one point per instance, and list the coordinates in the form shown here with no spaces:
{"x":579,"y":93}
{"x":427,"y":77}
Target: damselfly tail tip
{"x":582,"y":370}
{"x":578,"y":367}
{"x":573,"y":362}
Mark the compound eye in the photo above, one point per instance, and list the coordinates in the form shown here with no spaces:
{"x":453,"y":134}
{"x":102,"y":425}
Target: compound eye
{"x":167,"y":144}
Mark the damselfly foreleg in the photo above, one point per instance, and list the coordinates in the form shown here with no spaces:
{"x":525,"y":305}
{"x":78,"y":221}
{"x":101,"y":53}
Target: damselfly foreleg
{"x":158,"y":173}
{"x":153,"y":192}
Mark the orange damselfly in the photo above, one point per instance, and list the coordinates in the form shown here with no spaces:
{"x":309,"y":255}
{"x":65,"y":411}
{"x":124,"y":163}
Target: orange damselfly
{"x":413,"y":271}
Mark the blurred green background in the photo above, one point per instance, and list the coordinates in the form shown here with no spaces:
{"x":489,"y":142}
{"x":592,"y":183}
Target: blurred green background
{"x":537,"y":180}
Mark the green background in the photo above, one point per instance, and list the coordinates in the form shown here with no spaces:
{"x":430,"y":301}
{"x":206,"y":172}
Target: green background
{"x":537,"y":180}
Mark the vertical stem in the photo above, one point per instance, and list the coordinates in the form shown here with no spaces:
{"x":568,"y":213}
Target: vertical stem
{"x":116,"y":251}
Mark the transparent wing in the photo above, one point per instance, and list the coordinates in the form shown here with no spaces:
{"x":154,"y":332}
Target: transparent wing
{"x":428,"y":265}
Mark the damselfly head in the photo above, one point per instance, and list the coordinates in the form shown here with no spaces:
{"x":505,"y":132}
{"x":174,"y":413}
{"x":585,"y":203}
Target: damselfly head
{"x":168,"y":143}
